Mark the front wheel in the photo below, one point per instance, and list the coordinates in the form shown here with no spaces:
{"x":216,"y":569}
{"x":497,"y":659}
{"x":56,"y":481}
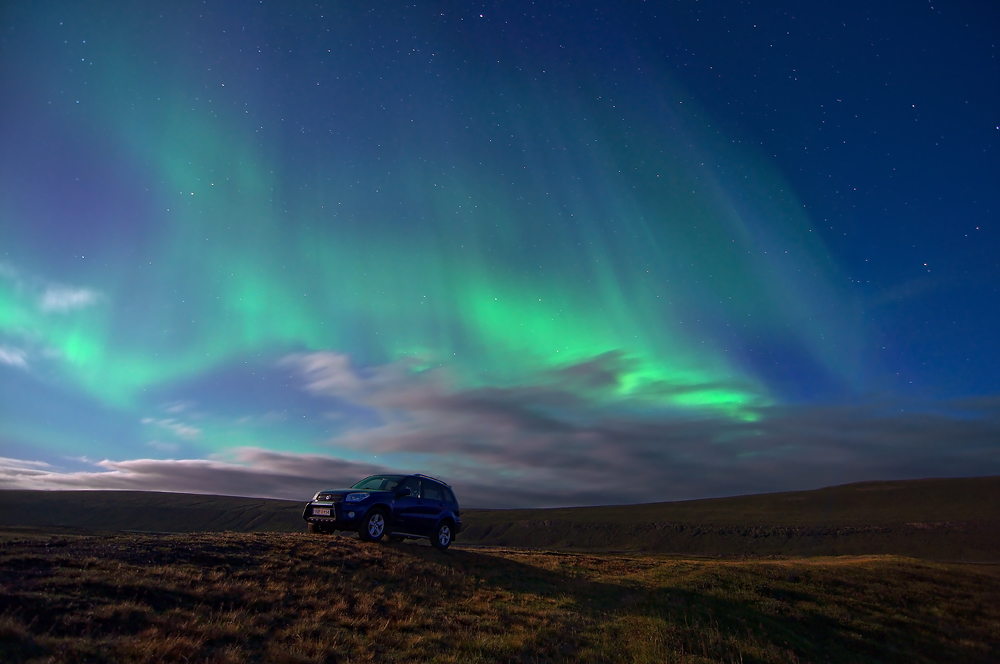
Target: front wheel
{"x":317,"y":529}
{"x":373,"y":527}
{"x":441,"y":539}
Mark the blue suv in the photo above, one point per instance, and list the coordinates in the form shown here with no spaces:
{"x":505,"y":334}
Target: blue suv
{"x":400,"y":506}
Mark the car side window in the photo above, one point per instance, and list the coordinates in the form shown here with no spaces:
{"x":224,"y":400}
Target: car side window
{"x":433,"y":491}
{"x":450,"y":496}
{"x":413,"y":484}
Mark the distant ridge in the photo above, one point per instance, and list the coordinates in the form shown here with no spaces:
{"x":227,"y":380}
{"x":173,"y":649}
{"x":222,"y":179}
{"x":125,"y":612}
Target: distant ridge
{"x":857,"y":504}
{"x":147,"y":511}
{"x":943,"y":519}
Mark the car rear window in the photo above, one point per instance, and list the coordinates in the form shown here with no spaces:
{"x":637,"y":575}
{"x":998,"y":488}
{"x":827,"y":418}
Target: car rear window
{"x":433,"y":491}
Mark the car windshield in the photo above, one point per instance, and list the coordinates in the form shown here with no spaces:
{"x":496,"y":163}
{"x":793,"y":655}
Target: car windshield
{"x":379,"y":482}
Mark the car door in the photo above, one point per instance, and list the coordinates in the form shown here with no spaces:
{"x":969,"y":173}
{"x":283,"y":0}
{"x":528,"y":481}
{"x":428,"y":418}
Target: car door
{"x":406,"y":509}
{"x":434,"y":499}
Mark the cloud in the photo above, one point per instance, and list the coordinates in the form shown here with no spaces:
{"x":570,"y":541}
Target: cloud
{"x":19,"y":465}
{"x":528,"y":462}
{"x":172,"y":425}
{"x":327,"y":373}
{"x":160,"y":446}
{"x":562,"y":441}
{"x":50,"y":297}
{"x":14,"y":357}
{"x":553,"y":443}
{"x":252,"y":472}
{"x":60,"y":299}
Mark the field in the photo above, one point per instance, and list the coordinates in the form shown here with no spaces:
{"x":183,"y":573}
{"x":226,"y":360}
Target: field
{"x":873,"y":572}
{"x":936,"y":519}
{"x":267,"y":597}
{"x":90,"y":511}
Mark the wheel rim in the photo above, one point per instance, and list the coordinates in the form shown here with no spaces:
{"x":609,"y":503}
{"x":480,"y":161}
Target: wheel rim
{"x":375,"y":525}
{"x":444,"y":535}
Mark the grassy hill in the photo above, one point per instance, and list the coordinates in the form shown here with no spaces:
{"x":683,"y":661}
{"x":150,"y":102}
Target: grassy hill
{"x":148,"y":511}
{"x":941,"y":519}
{"x":956,"y":519}
{"x":72,"y":589}
{"x":266,"y":597}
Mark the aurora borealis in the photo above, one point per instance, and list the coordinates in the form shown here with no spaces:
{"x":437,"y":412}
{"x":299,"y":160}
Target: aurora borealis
{"x":252,"y":247}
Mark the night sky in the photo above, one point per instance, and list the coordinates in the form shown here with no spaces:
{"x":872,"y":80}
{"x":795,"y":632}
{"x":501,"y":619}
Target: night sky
{"x":553,"y":253}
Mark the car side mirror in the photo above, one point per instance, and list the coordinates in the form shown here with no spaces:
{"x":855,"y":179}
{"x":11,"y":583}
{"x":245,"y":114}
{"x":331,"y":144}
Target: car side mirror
{"x":402,"y":493}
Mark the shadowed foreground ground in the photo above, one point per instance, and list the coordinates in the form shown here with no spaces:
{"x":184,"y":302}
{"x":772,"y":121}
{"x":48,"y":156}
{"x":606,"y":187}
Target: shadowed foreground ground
{"x":297,"y":598}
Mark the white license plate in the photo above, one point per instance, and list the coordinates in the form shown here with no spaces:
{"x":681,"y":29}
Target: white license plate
{"x":321,"y":511}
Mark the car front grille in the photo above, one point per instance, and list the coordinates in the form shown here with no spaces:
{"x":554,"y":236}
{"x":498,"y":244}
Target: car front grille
{"x":328,"y":498}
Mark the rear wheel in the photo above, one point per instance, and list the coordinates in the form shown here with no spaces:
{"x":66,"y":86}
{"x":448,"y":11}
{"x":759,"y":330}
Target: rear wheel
{"x":441,"y":539}
{"x":373,"y":527}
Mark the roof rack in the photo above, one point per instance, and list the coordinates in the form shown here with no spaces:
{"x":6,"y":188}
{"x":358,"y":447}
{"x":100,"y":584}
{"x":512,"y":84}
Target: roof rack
{"x":431,"y":478}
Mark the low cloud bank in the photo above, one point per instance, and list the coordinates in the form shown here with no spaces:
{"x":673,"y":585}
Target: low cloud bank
{"x":253,"y":472}
{"x":566,"y":440}
{"x":554,"y":444}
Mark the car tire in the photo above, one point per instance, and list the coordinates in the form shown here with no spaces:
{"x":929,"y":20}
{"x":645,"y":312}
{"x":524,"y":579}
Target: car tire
{"x":316,"y":529}
{"x":396,"y":539}
{"x":443,"y":534}
{"x":373,"y":526}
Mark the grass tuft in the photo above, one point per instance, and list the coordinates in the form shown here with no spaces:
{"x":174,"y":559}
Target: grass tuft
{"x":295,"y":598}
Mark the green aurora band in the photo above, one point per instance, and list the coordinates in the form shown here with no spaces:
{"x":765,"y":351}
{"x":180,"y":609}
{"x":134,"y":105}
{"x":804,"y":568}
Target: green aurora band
{"x":505,"y":235}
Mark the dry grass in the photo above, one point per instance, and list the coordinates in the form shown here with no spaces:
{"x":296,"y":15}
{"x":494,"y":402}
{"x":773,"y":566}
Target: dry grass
{"x":299,"y":598}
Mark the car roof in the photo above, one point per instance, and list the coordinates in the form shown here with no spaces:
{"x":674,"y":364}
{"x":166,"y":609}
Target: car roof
{"x":428,"y":477}
{"x":420,"y":475}
{"x":425,"y":477}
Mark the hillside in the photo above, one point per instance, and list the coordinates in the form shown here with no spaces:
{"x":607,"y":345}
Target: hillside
{"x":941,"y":519}
{"x":148,"y":511}
{"x":945,"y":519}
{"x":266,"y":597}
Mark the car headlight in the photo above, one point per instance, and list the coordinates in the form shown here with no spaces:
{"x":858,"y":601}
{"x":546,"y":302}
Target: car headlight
{"x":356,"y":497}
{"x":316,"y":497}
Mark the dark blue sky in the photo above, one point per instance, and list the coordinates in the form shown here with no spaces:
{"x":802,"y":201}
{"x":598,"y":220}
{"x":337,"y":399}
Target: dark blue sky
{"x":884,"y":117}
